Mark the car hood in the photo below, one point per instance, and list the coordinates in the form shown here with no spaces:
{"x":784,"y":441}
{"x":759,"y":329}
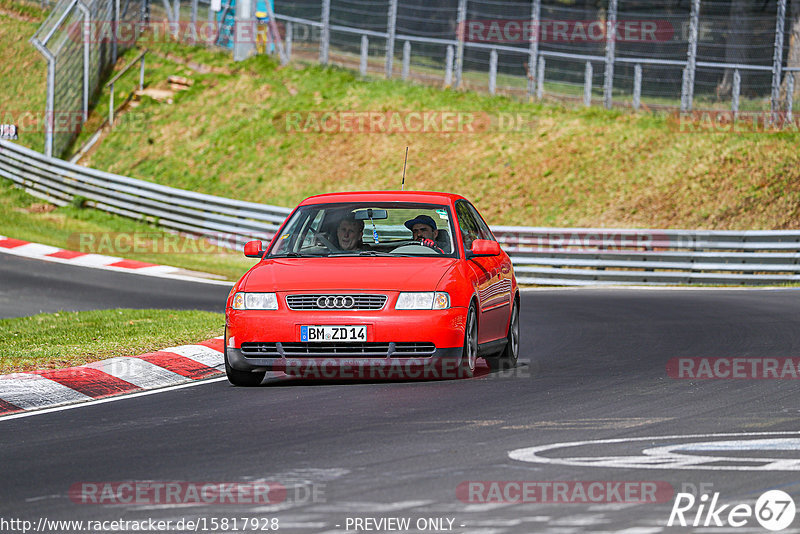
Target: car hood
{"x":347,"y":273}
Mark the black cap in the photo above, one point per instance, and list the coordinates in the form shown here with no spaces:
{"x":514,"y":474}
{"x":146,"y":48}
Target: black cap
{"x":421,"y":219}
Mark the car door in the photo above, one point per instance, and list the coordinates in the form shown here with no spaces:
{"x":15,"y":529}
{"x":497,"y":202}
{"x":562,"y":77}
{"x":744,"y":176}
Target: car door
{"x":493,"y":298}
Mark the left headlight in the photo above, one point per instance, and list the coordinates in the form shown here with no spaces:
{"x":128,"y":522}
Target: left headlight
{"x":255,"y":301}
{"x":428,"y":300}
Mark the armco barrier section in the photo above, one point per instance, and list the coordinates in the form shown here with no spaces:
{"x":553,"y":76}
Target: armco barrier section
{"x":226,"y":221}
{"x":545,"y":256}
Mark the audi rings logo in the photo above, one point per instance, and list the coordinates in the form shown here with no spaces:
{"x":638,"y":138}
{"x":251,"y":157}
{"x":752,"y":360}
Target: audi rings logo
{"x":336,"y":302}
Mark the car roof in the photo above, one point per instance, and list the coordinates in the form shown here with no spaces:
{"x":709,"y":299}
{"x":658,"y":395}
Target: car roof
{"x":384,"y":196}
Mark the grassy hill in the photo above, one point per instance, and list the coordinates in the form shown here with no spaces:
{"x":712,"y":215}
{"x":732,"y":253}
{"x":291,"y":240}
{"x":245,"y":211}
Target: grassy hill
{"x":226,"y":135}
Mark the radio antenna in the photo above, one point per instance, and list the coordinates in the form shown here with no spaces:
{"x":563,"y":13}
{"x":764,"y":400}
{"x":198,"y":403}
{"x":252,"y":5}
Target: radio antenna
{"x":403,"y":184}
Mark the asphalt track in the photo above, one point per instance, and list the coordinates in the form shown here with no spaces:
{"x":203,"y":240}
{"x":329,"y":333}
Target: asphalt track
{"x":595,"y":369}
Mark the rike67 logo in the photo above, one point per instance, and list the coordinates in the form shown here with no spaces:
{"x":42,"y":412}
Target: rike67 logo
{"x":774,"y":510}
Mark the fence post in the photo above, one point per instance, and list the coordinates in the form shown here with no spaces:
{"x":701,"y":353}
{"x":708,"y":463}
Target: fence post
{"x":272,"y":29}
{"x":111,"y":108}
{"x":243,"y":16}
{"x":540,"y":79}
{"x":611,"y":38}
{"x":406,"y":59}
{"x":141,"y":74}
{"x":493,"y":71}
{"x":391,"y":30}
{"x":460,"y":31}
{"x":448,"y":66}
{"x":115,"y":25}
{"x":533,"y":52}
{"x":86,"y":60}
{"x":789,"y":98}
{"x":325,"y":36}
{"x":777,"y":59}
{"x":194,"y":18}
{"x":687,"y":92}
{"x":737,"y":87}
{"x":637,"y":86}
{"x":587,"y":84}
{"x":362,"y":65}
{"x":289,"y":37}
{"x":50,"y":102}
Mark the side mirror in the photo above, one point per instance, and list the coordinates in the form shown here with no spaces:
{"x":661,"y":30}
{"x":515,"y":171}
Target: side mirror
{"x":252,"y":249}
{"x":483,"y":248}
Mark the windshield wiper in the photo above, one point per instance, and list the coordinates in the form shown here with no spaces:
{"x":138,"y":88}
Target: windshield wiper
{"x":297,"y":255}
{"x":362,"y":253}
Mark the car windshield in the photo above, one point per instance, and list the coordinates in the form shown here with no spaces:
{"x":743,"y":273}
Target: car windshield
{"x":367,"y":229}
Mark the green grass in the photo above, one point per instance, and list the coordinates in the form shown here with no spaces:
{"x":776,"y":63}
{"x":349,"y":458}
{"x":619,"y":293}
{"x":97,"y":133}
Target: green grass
{"x":27,"y":218}
{"x":66,"y":339}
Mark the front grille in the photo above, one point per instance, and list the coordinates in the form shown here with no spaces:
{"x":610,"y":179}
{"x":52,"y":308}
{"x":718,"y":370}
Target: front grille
{"x":335,"y":302}
{"x":341,"y":350}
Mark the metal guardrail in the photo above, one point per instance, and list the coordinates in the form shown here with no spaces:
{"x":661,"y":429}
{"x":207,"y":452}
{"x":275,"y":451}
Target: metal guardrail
{"x":224,"y":221}
{"x":545,"y":256}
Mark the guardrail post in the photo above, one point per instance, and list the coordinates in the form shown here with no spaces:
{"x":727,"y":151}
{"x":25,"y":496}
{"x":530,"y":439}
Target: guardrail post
{"x":325,"y":35}
{"x":737,"y":87}
{"x":611,"y":39}
{"x":448,"y":66}
{"x":289,"y":37}
{"x":533,"y":51}
{"x":687,"y":96}
{"x":493,"y":71}
{"x":461,"y":31}
{"x":637,"y":86}
{"x":588,"y":74}
{"x":540,"y":79}
{"x":777,"y":60}
{"x":391,"y":30}
{"x":406,"y":59}
{"x":362,"y":67}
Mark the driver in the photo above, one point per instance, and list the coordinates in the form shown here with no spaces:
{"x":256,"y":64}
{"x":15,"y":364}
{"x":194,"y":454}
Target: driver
{"x":349,"y":232}
{"x":423,"y":229}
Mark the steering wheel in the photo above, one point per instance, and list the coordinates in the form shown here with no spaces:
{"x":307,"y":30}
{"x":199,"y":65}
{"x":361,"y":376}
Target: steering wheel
{"x":324,"y":240}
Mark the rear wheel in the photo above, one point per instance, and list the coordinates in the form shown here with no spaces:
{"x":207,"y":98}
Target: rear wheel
{"x":242,"y":378}
{"x":508,"y":358}
{"x":469,"y":356}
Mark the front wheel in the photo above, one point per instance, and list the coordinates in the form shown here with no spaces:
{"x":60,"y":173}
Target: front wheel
{"x":508,"y":358}
{"x":242,"y":378}
{"x":469,"y":356}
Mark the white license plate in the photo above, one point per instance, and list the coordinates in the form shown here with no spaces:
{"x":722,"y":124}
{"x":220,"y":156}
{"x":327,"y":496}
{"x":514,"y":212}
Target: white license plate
{"x":322,"y":334}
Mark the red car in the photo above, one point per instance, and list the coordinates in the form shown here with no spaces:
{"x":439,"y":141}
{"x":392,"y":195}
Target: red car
{"x":374,"y":285}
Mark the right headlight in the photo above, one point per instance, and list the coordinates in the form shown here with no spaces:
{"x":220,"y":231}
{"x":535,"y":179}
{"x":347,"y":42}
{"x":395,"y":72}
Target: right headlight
{"x":255,"y":301}
{"x":427,"y":300}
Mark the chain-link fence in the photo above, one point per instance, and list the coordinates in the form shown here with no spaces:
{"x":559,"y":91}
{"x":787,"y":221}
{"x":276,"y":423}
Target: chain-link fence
{"x":717,"y":54}
{"x":80,"y":42}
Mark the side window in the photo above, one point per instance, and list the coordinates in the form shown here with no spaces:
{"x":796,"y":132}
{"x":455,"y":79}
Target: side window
{"x":467,"y":224}
{"x":484,"y":231}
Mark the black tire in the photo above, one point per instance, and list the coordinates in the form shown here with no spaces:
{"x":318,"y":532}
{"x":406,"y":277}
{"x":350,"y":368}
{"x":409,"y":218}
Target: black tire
{"x":508,"y":358}
{"x":469,"y":355}
{"x":242,"y":378}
